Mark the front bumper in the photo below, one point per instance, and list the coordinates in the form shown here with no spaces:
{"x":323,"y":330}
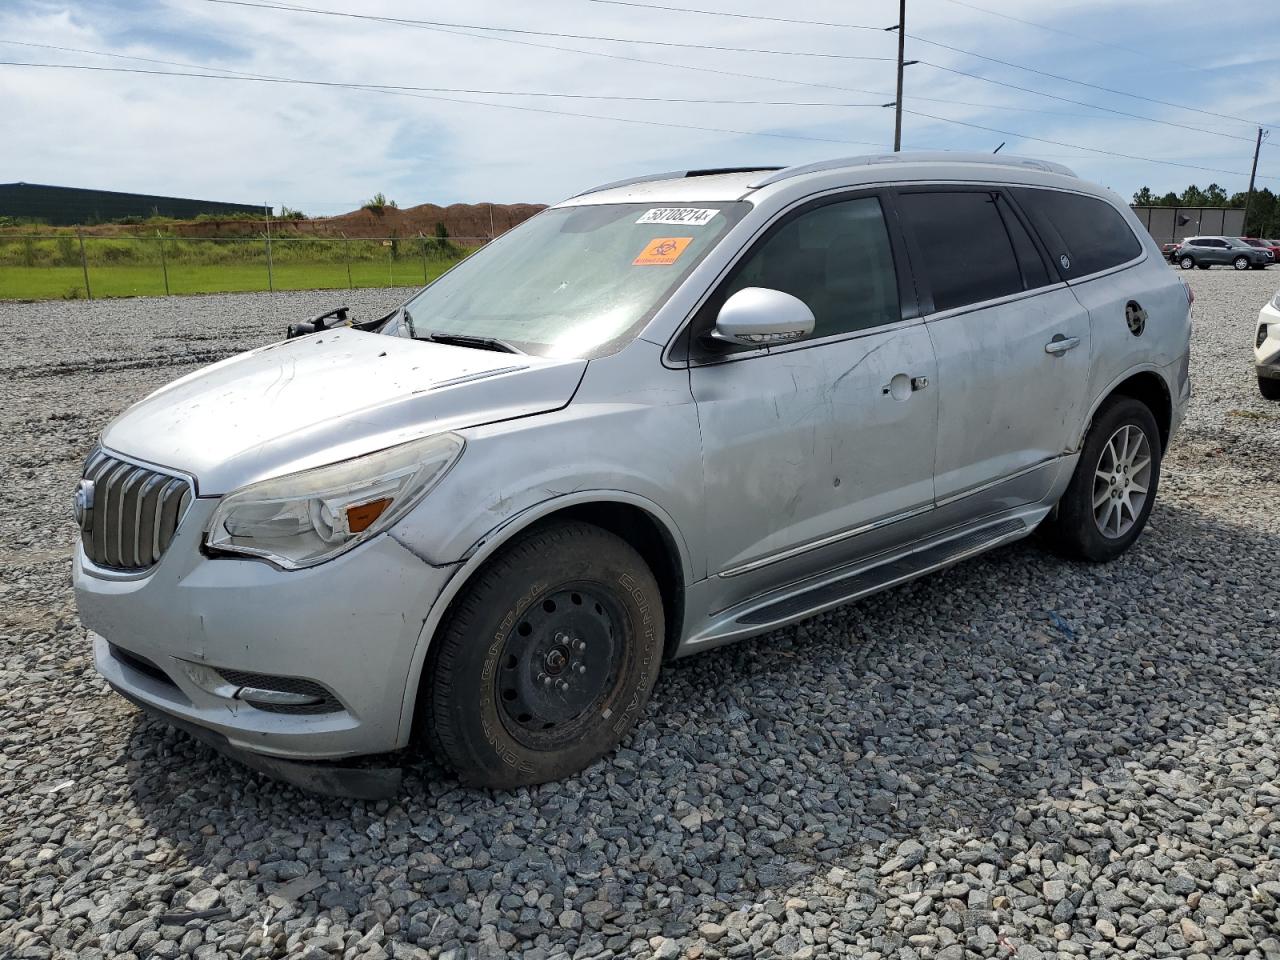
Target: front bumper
{"x":1266,"y":354}
{"x":350,"y":625}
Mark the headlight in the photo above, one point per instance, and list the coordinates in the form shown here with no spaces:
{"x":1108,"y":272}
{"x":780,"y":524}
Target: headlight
{"x":309,"y":517}
{"x":1275,"y":301}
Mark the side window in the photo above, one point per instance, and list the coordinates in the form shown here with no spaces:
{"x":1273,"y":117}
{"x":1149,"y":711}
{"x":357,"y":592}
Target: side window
{"x":1084,"y":234}
{"x":1033,"y":269}
{"x":966,"y":251}
{"x":836,"y":258}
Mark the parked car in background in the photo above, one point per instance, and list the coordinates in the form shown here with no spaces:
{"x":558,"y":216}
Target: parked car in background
{"x":661,"y":416}
{"x":1205,"y":252}
{"x":1169,"y":249}
{"x":1272,"y":245}
{"x":1266,"y":349}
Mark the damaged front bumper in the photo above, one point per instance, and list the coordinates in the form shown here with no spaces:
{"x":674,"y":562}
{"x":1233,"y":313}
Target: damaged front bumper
{"x":286,"y":667}
{"x":376,"y":778}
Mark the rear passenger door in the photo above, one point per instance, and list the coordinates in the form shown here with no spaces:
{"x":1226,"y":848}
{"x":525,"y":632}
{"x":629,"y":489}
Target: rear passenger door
{"x":1012,"y":345}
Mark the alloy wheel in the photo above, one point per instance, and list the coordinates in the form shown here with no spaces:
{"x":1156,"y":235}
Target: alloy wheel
{"x":1121,"y":481}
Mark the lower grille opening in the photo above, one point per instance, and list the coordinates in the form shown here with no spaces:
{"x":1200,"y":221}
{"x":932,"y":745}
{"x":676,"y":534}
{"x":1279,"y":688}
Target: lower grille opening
{"x":326,"y":702}
{"x":141,"y":664}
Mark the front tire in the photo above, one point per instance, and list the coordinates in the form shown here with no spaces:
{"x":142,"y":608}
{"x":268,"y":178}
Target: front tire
{"x":1186,"y":263}
{"x":1269,"y":388}
{"x":1240,"y":263}
{"x":546,"y":659}
{"x":1110,"y":497}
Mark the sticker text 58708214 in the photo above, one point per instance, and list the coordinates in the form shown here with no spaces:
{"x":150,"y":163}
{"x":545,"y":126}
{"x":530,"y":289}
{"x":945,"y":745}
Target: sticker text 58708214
{"x":684,"y":216}
{"x":662,"y":252}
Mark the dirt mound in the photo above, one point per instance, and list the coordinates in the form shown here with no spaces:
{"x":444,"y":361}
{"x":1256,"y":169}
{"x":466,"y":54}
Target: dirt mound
{"x":477,"y":221}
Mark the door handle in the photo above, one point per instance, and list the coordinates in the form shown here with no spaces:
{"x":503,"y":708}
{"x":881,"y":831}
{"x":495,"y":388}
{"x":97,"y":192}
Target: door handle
{"x":902,"y":386}
{"x":1060,"y":345}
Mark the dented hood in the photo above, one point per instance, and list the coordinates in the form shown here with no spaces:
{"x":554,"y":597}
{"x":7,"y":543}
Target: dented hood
{"x":329,"y":397}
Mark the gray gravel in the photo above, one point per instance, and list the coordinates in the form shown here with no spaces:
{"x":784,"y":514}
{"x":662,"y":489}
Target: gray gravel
{"x":1021,"y":757}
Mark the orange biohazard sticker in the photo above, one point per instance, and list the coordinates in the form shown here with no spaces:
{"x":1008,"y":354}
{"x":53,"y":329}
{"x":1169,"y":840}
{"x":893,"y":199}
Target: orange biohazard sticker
{"x":662,"y":252}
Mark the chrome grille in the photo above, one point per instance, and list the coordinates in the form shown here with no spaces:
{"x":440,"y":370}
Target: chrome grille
{"x":135,"y":512}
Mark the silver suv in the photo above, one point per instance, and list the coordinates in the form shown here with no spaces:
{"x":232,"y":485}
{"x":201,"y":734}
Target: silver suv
{"x":662,"y":415}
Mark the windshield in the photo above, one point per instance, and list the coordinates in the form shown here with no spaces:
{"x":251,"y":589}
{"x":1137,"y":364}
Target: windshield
{"x":572,"y":281}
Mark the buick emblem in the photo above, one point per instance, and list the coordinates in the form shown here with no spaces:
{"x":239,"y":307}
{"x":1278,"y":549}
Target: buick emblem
{"x":82,"y":506}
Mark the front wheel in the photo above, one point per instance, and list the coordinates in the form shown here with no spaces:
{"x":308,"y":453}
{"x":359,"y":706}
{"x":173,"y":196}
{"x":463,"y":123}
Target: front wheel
{"x":546,"y":659}
{"x":1240,"y":263}
{"x":1111,"y":494}
{"x":1186,"y":263}
{"x":1269,"y":388}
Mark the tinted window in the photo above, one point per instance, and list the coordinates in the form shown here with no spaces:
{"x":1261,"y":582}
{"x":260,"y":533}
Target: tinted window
{"x":1033,"y":269}
{"x":836,"y":258}
{"x":1083,"y":234}
{"x":968,"y":256}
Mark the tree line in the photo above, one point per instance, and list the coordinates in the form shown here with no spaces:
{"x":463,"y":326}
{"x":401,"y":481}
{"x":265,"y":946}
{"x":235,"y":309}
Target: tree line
{"x":1264,"y":211}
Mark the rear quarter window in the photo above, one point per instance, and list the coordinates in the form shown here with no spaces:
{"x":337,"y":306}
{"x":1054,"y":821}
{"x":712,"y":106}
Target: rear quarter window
{"x":1084,"y":234}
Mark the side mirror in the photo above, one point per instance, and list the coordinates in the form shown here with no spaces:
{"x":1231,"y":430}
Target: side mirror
{"x":758,"y":317}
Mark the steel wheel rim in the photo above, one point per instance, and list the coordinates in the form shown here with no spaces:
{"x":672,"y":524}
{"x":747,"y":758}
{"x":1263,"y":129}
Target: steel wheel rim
{"x":1122,"y":481}
{"x":560,"y":665}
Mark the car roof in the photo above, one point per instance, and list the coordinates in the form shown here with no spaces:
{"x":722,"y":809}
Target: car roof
{"x":737,"y":184}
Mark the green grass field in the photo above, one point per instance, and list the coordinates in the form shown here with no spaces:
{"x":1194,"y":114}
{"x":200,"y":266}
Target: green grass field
{"x":140,"y":280}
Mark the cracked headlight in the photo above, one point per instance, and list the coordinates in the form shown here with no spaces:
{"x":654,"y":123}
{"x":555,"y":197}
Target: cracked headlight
{"x":306,"y":518}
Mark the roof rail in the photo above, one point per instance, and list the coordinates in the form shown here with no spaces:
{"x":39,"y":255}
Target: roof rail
{"x":940,"y":156}
{"x":674,"y":175}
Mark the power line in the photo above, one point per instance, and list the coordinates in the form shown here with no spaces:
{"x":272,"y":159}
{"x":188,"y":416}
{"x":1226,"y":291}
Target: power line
{"x":1078,"y":36}
{"x":1083,"y":83}
{"x":388,"y":87}
{"x":611,"y":56}
{"x":967,"y":53}
{"x":526,"y":93}
{"x":441,"y":26}
{"x":410,"y":92}
{"x":1082,"y":103}
{"x":1076,"y":146}
{"x":405,"y":21}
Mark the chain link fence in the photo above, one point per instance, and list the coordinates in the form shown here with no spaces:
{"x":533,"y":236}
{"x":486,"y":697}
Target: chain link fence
{"x":72,"y":266}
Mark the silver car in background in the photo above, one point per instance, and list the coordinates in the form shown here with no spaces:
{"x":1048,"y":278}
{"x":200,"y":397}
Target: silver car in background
{"x":1205,"y":252}
{"x":663,"y":415}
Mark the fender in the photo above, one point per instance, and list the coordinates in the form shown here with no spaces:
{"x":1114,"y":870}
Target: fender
{"x":490,"y":544}
{"x":1077,"y":439}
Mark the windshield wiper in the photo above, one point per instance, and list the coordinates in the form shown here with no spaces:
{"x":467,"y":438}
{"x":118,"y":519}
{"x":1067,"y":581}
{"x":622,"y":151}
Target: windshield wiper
{"x":466,"y":340}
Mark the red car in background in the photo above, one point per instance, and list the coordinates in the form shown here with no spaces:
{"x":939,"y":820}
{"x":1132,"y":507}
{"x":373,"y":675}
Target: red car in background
{"x":1272,"y":245}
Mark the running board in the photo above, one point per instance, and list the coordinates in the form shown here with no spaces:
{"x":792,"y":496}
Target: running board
{"x":860,"y":582}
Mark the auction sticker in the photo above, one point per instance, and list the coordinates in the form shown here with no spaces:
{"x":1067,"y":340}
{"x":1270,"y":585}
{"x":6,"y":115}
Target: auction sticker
{"x":684,"y":216}
{"x":662,"y":252}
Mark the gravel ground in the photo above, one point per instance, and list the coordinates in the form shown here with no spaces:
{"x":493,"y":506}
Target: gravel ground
{"x":1020,"y":757}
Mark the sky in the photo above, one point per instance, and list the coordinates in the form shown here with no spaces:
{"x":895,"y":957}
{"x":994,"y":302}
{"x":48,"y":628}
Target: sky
{"x":327,"y":149}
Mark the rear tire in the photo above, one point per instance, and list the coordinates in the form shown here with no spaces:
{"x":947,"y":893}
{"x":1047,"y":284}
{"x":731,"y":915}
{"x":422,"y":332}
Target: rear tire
{"x":1269,"y":388}
{"x":1100,"y":487}
{"x":546,"y":659}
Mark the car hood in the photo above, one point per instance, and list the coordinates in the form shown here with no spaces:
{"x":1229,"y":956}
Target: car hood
{"x":328,"y":397}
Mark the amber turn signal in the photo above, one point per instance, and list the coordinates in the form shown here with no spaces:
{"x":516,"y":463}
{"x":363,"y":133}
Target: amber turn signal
{"x":361,"y":516}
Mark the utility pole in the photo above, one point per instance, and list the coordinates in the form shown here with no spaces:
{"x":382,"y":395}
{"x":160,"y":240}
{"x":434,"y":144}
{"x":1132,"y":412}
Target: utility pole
{"x":1248,"y":200}
{"x":902,"y":47}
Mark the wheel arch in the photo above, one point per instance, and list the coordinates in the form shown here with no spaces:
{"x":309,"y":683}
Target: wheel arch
{"x":638,"y":521}
{"x":1148,"y":387}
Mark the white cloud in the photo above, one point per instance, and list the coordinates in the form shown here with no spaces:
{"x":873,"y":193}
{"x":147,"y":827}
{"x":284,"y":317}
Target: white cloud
{"x":326,"y":150}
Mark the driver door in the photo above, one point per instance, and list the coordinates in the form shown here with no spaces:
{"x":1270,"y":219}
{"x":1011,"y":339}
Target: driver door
{"x":812,"y":450}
